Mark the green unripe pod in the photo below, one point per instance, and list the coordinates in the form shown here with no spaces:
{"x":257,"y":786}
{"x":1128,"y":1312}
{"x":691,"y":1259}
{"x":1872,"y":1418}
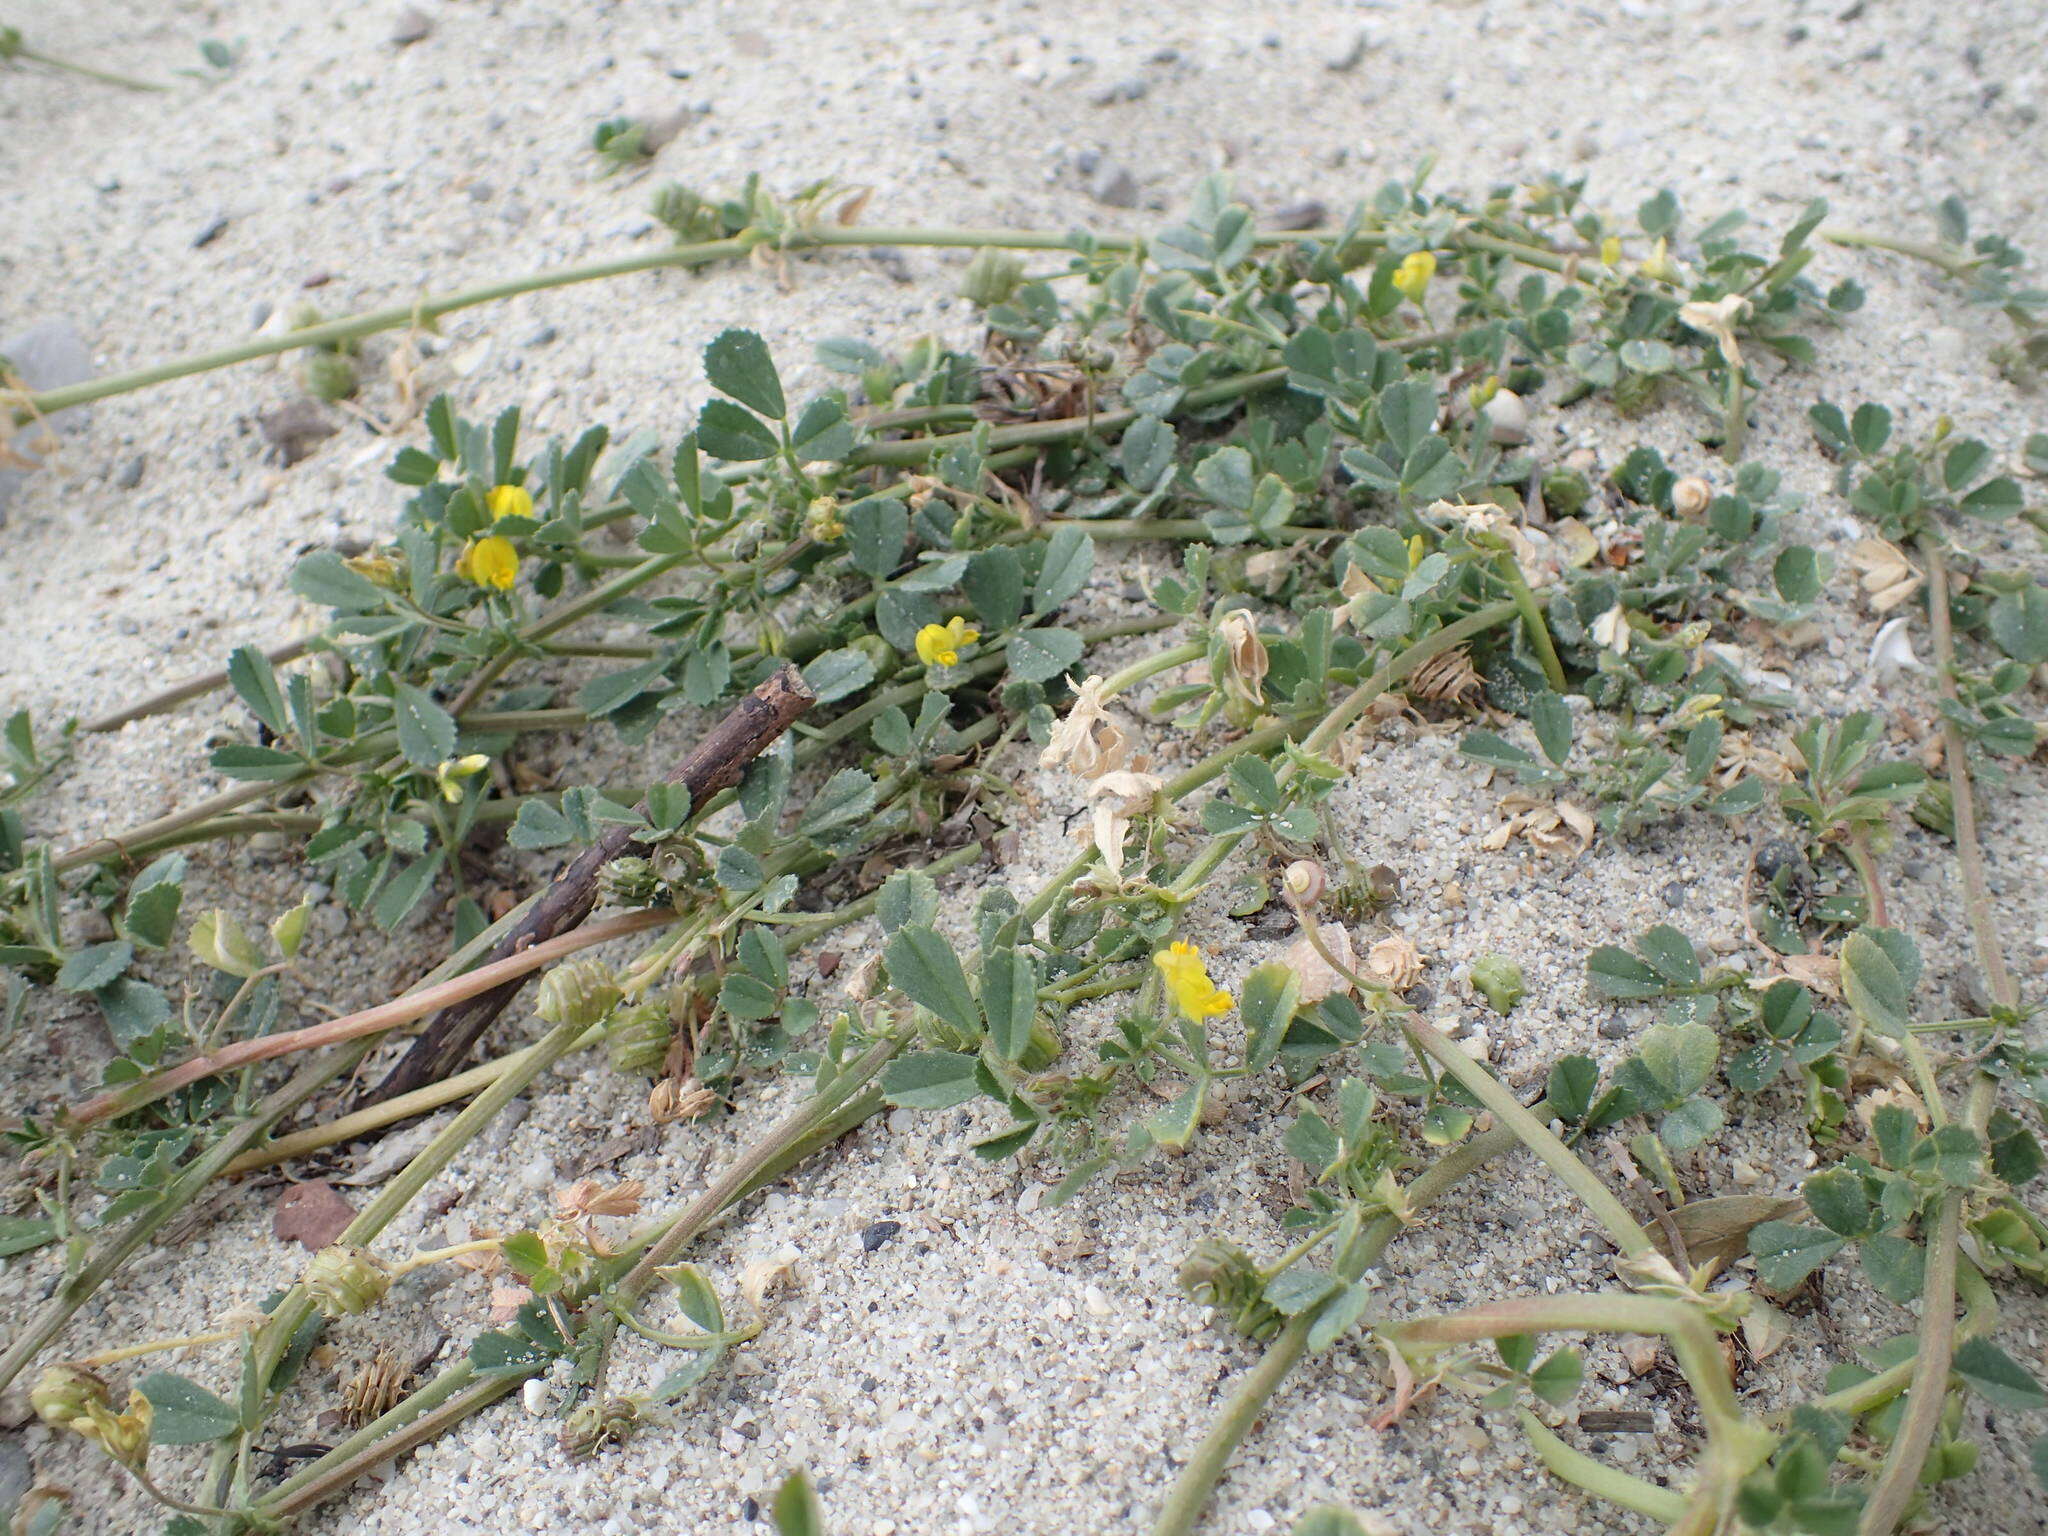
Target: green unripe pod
{"x":1499,"y":980}
{"x":580,"y":992}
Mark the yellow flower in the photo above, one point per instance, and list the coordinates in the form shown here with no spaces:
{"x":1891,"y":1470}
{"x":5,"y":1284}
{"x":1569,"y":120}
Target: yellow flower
{"x":1610,"y":251}
{"x":452,"y":772}
{"x":489,"y":562}
{"x":938,"y":645}
{"x":509,"y":501}
{"x":1413,"y":275}
{"x":1188,"y":980}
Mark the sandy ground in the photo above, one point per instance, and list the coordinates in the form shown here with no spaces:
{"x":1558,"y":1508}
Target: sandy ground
{"x":996,"y":1366}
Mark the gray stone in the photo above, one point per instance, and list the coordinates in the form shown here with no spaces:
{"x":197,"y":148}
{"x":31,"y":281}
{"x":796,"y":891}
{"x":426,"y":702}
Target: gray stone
{"x":16,"y":1476}
{"x":409,"y":26}
{"x":48,"y":355}
{"x":540,"y":337}
{"x":210,"y":231}
{"x":1113,"y":186}
{"x":130,"y":475}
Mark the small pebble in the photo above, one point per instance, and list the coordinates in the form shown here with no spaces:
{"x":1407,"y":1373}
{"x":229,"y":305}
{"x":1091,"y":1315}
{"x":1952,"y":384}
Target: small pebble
{"x":1113,"y":186}
{"x":533,"y":1397}
{"x":1673,"y":895}
{"x":877,"y":1233}
{"x":540,"y":336}
{"x":210,"y":231}
{"x":410,"y":26}
{"x":1615,"y":1028}
{"x":1306,"y":214}
{"x":130,"y":475}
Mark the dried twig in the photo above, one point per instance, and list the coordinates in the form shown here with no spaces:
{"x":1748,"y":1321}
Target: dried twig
{"x":717,"y":764}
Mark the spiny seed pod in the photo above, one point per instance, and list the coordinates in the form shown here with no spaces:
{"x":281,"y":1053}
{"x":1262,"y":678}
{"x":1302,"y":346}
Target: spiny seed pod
{"x":1305,"y":882}
{"x":327,"y":375}
{"x":683,"y":211}
{"x":580,"y":992}
{"x":639,"y":1037}
{"x":1691,"y":496}
{"x":1636,"y":393}
{"x":991,"y":277}
{"x":1222,"y":1275}
{"x":629,"y":882}
{"x":346,"y":1280}
{"x":1499,"y":980}
{"x":63,"y":1393}
{"x":1565,"y":492}
{"x":1935,"y":808}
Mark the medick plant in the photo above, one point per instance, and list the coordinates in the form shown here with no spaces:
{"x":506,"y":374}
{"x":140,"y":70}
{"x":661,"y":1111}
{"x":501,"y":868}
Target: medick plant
{"x":1329,"y":433}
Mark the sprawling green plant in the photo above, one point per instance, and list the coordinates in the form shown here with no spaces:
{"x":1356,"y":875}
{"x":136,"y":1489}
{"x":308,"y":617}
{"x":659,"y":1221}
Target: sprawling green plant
{"x":1330,"y":432}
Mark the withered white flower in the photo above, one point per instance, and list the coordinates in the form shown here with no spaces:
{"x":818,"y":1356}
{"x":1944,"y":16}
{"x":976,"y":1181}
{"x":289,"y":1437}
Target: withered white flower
{"x":1892,"y":651}
{"x":1089,"y":741}
{"x":1887,"y":577}
{"x":1114,"y":798}
{"x":1244,"y":655}
{"x":1612,"y":630}
{"x":1717,"y":318}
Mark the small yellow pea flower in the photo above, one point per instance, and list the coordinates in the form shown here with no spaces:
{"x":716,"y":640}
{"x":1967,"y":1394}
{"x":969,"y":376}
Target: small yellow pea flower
{"x":489,"y":562}
{"x":1187,"y":979}
{"x":452,"y":772}
{"x":1610,"y":251}
{"x":509,"y":501}
{"x":1413,"y":275}
{"x":938,"y":645}
{"x":1658,"y":266}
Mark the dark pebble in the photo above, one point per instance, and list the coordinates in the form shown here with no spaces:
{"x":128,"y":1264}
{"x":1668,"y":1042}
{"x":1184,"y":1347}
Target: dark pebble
{"x":870,"y":1385}
{"x":1302,"y":215}
{"x":873,"y":1236}
{"x":747,"y":1431}
{"x":1615,"y":1028}
{"x":131,"y":473}
{"x":1674,"y":895}
{"x":211,"y":231}
{"x":750,"y":1510}
{"x":1421,"y":997}
{"x":1113,"y":186}
{"x":541,"y":337}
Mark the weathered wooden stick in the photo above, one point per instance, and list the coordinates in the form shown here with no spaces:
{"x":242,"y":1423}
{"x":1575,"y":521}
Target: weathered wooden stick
{"x":719,"y":761}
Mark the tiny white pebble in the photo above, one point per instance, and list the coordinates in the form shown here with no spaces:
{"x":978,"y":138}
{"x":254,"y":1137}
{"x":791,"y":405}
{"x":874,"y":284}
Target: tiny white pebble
{"x":534,"y":1397}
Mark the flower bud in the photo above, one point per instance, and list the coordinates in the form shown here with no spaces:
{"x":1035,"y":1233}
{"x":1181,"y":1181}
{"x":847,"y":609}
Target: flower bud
{"x":1304,"y":882}
{"x":822,"y":522}
{"x":1691,"y":496}
{"x":580,"y":992}
{"x":629,"y":882}
{"x":639,"y":1038}
{"x":991,"y":277}
{"x":345,"y":1280}
{"x":1499,"y":980}
{"x":63,"y":1393}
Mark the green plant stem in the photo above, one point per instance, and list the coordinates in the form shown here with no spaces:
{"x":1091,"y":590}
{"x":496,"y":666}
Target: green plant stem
{"x":276,"y":1334}
{"x":1954,"y":264}
{"x":105,"y":77}
{"x":1623,"y":1228}
{"x":1327,"y":729}
{"x":1597,"y":1478}
{"x":1533,"y":622}
{"x":1197,"y":1481}
{"x":421,"y":312}
{"x":918,"y":450}
{"x":1928,"y":1393}
{"x":191,"y":1180}
{"x":178,"y":693}
{"x":1865,"y":865}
